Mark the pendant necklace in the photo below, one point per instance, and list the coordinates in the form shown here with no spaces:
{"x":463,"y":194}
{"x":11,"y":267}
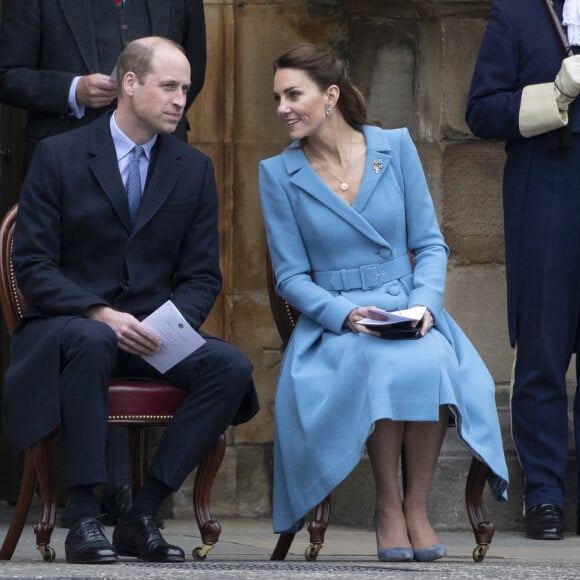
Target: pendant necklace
{"x":344,"y":186}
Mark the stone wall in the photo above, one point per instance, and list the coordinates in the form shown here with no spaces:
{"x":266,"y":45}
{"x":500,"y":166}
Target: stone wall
{"x":413,"y":60}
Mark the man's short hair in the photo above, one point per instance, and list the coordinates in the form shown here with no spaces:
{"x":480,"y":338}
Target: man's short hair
{"x":138,"y":54}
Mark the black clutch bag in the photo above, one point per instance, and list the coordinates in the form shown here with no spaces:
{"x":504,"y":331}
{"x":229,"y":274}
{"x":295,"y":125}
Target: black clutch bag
{"x":400,"y":331}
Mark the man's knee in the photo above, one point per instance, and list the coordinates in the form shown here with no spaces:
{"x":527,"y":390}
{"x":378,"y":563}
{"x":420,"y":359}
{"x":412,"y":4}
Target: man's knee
{"x":84,"y":336}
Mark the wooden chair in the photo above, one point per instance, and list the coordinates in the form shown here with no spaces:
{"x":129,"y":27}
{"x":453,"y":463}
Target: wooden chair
{"x":285,"y":317}
{"x":137,"y":404}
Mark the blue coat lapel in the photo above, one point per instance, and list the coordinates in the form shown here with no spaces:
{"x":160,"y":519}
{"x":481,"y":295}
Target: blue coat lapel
{"x":303,"y":176}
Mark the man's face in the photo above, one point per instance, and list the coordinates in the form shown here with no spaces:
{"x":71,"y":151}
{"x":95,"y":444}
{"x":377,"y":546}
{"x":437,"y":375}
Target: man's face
{"x":158,"y":101}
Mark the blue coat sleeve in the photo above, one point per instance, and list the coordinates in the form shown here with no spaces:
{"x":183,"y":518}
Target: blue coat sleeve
{"x":289,"y":255}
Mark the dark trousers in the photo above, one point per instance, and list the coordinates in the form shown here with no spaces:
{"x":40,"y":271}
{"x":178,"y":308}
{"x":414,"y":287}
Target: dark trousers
{"x":548,"y":314}
{"x":217,"y":377}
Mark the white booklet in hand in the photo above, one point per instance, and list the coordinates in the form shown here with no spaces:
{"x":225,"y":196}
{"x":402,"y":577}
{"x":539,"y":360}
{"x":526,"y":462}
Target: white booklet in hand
{"x":379,"y":317}
{"x":178,"y":338}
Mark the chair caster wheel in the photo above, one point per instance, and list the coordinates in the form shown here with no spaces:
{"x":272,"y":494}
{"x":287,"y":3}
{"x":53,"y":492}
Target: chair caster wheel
{"x":311,"y":552}
{"x":47,"y":552}
{"x":480,"y":552}
{"x":200,"y":553}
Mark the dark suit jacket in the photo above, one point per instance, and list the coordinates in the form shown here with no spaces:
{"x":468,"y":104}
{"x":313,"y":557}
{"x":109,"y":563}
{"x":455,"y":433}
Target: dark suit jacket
{"x":44,"y":44}
{"x":74,"y":247}
{"x":520,"y":48}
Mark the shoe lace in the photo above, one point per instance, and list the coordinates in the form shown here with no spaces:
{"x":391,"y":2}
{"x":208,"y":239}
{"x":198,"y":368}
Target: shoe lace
{"x":91,"y":529}
{"x":158,"y":524}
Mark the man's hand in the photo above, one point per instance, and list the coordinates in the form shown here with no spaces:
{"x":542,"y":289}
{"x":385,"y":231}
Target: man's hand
{"x":567,"y":83}
{"x":134,"y":337}
{"x":96,"y":91}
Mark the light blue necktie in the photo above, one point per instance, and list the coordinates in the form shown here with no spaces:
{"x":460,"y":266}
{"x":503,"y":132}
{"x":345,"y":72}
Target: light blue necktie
{"x":133,"y":185}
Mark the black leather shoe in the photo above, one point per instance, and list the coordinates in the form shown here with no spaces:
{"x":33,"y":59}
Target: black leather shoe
{"x":544,"y":522}
{"x":140,"y":537}
{"x":115,"y":504}
{"x":86,"y":544}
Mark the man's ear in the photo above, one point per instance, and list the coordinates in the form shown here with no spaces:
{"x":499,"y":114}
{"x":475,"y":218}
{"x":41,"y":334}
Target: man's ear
{"x":129,"y":81}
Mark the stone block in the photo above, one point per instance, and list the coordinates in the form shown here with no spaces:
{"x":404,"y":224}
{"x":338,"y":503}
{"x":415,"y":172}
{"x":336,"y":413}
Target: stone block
{"x":262,"y":33}
{"x":210,"y":116}
{"x":472,"y":201}
{"x":383,"y":58}
{"x":460,"y":44}
{"x":242,"y":486}
{"x":476,"y":298}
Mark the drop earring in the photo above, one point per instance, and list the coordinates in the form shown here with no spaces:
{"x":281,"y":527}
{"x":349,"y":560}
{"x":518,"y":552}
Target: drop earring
{"x":329,"y":110}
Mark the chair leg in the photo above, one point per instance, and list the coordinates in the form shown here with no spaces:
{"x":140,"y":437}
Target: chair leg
{"x":136,"y":458}
{"x":317,"y":528}
{"x":25,"y":494}
{"x":209,"y":528}
{"x":44,"y":454}
{"x":482,"y":529}
{"x":282,"y":546}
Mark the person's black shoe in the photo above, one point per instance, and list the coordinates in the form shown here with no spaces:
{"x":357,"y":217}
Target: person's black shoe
{"x":87,"y":544}
{"x":544,"y":522}
{"x":115,"y":504}
{"x":140,"y":537}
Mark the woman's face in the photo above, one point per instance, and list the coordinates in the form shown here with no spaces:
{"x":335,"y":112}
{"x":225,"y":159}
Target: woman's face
{"x":301,"y":104}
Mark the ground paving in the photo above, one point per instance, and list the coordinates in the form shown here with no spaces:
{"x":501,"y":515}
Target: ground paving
{"x":245,"y":547}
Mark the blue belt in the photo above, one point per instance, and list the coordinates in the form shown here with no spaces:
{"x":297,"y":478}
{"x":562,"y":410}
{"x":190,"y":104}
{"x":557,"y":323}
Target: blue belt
{"x":366,"y":277}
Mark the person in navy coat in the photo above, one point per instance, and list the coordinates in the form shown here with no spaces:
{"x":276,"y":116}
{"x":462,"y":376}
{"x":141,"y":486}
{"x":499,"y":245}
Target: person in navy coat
{"x":56,"y":56}
{"x":524,"y":91}
{"x":90,"y":273}
{"x":345,"y":205}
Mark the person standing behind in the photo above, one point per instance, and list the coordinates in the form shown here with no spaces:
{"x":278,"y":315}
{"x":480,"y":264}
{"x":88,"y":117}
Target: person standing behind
{"x":56,"y":56}
{"x":523,"y":91}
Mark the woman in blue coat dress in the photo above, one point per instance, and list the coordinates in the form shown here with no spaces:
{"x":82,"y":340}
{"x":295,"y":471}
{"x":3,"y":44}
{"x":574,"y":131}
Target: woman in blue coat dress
{"x":344,"y":205}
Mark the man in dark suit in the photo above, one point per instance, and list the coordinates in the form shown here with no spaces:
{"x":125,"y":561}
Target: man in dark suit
{"x":91,"y":266}
{"x":524,"y":90}
{"x":56,"y":56}
{"x":56,"y":59}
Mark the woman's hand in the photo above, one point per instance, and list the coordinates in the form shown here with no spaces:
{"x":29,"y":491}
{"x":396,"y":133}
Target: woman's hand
{"x":425,"y":323}
{"x":355,"y":315}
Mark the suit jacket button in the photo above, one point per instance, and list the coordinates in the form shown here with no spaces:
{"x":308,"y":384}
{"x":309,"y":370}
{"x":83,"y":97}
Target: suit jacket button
{"x":385,"y":253}
{"x":394,"y":290}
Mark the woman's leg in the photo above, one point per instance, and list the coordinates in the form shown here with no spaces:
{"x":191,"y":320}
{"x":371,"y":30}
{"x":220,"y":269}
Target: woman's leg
{"x":384,"y":449}
{"x":422,"y":441}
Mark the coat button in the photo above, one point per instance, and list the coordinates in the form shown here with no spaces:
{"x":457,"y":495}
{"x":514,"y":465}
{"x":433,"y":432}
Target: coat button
{"x":385,"y":253}
{"x":394,"y":290}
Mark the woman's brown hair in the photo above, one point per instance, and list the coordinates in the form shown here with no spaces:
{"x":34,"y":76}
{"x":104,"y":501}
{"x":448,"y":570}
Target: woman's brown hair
{"x":324,"y":68}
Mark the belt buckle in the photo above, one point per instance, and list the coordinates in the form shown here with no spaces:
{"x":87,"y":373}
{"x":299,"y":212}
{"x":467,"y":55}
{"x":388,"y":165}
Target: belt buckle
{"x":369,"y":276}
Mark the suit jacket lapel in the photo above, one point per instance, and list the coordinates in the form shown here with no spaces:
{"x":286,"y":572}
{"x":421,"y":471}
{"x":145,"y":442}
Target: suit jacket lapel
{"x":159,"y":14}
{"x":104,"y":166}
{"x":78,"y":14}
{"x":165,"y":170}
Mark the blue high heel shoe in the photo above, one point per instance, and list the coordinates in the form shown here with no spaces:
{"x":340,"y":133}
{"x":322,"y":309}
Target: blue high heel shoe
{"x":392,"y":554}
{"x":431,"y":553}
{"x":395,"y":554}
